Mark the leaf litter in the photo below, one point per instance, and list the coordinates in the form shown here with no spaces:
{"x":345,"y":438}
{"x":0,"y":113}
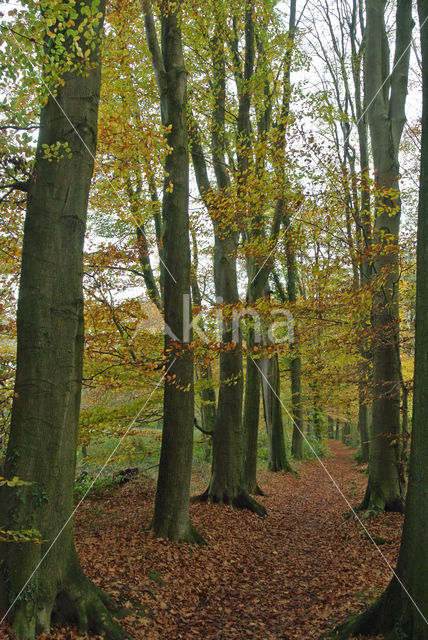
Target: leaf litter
{"x":292,"y":575}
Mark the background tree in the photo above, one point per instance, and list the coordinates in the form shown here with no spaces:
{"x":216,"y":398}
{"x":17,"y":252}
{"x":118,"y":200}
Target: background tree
{"x":386,"y":114}
{"x":171,"y":516}
{"x":403,"y":608}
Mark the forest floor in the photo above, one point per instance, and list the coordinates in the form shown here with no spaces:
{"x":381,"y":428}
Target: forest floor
{"x":292,"y":575}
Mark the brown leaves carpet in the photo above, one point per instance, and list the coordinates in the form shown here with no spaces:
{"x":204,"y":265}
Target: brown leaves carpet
{"x":290,"y":576}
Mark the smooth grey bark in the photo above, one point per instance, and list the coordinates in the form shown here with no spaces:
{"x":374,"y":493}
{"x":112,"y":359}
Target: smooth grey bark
{"x":250,"y":422}
{"x":271,"y":387}
{"x":256,"y":278}
{"x":144,"y":259}
{"x":295,"y":362}
{"x":171,"y":514}
{"x":386,"y":114}
{"x":363,"y":223}
{"x":50,"y":335}
{"x":397,"y":613}
{"x":226,"y":483}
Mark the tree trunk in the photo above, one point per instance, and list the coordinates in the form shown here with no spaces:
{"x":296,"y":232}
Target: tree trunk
{"x":402,"y":610}
{"x":386,"y":120}
{"x":337,"y":432}
{"x":208,"y":399}
{"x":346,"y":432}
{"x":363,"y":427}
{"x":317,"y":415}
{"x":330,"y":424}
{"x":226,"y":484}
{"x":171,"y":514}
{"x":39,"y":579}
{"x":271,"y":386}
{"x":251,"y":420}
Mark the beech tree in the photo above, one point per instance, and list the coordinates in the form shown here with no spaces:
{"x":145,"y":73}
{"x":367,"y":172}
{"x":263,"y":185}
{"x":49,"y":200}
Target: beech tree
{"x":386,"y":114}
{"x":402,"y":610}
{"x":42,"y":580}
{"x":171,"y":516}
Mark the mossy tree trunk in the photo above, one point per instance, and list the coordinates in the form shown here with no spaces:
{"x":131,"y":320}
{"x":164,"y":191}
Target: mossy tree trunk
{"x":402,"y":610}
{"x":171,"y":515}
{"x":37,"y":580}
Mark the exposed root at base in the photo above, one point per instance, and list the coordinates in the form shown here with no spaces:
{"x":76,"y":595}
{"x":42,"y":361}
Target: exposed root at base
{"x":80,"y":603}
{"x":173,"y":534}
{"x":259,"y":492}
{"x":241,"y":501}
{"x":287,"y":468}
{"x":244,"y":501}
{"x":392,"y":614}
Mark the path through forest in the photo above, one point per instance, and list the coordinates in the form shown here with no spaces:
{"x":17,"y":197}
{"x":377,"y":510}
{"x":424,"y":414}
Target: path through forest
{"x":291,"y":575}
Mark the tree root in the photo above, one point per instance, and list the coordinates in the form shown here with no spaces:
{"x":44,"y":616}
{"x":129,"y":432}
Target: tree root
{"x":93,"y":610}
{"x":282,"y":468}
{"x":244,"y":501}
{"x":259,"y":492}
{"x":79,"y":602}
{"x":373,"y":504}
{"x":254,"y":490}
{"x":172,"y":533}
{"x":241,"y":501}
{"x":201,"y":497}
{"x":392,"y":614}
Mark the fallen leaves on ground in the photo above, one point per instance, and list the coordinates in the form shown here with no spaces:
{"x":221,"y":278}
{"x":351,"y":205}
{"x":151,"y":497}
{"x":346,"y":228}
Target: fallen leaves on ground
{"x":290,"y":576}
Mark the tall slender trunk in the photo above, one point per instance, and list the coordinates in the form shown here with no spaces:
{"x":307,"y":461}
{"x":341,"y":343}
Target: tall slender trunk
{"x":363,"y":427}
{"x":171,"y":514}
{"x":250,"y":420}
{"x":346,"y":432}
{"x":330,"y":423}
{"x":226,"y":483}
{"x":386,"y":115}
{"x":271,"y":386}
{"x":403,"y":607}
{"x":47,"y":577}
